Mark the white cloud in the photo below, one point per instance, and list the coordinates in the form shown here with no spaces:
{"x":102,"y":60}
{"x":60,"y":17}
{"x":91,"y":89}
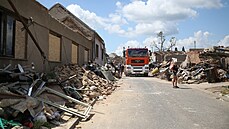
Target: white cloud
{"x":114,"y":29}
{"x":131,"y":44}
{"x":115,"y":18}
{"x":88,"y":17}
{"x":119,"y":4}
{"x":144,"y":17}
{"x":140,"y":11}
{"x":202,"y":39}
{"x":155,"y":27}
{"x":166,"y":13}
{"x":225,"y":41}
{"x":148,"y":17}
{"x":111,"y":24}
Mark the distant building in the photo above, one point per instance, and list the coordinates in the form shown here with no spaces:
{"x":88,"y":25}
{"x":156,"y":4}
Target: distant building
{"x":160,"y":56}
{"x":193,"y":55}
{"x":196,"y":49}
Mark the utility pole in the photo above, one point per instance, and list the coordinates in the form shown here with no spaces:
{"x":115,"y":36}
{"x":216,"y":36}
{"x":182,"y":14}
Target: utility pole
{"x":194,"y":44}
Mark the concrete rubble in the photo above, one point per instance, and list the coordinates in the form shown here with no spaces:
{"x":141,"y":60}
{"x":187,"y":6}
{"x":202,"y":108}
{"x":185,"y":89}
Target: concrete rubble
{"x":38,"y":100}
{"x":206,"y":66}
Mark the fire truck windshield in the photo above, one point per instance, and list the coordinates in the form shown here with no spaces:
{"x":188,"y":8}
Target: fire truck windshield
{"x":137,"y":52}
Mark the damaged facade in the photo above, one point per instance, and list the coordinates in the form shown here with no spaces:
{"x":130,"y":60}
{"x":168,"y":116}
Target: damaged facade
{"x":61,"y":43}
{"x":98,"y":47}
{"x":42,"y":83}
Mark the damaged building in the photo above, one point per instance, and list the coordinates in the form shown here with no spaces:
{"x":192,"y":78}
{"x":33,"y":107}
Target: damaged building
{"x":160,"y":56}
{"x":59,"y":40}
{"x":98,"y":47}
{"x":41,"y":75}
{"x":196,"y":65}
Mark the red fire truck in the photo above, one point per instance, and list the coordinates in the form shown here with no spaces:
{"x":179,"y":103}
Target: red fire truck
{"x":136,"y":61}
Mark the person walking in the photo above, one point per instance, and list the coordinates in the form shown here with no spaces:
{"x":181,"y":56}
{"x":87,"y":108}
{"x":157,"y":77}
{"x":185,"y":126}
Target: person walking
{"x":174,"y":68}
{"x":121,"y":69}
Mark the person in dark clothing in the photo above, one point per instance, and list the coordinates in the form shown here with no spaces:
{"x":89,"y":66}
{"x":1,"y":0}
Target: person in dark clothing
{"x":121,"y":69}
{"x":174,"y":68}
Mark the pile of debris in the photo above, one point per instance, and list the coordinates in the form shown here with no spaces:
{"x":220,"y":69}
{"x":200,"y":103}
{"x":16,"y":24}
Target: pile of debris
{"x":87,"y":82}
{"x":205,"y":66}
{"x":32,"y":99}
{"x":114,"y":63}
{"x":208,"y":69}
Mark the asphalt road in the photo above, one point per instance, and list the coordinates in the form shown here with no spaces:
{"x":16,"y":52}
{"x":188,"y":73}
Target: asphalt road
{"x":149,"y":103}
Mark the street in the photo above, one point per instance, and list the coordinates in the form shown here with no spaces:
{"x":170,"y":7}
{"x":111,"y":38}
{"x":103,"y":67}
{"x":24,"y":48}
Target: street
{"x":150,"y":103}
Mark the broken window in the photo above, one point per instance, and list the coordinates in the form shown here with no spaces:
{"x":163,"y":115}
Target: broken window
{"x":74,"y":53}
{"x":54,"y":47}
{"x":7,"y":35}
{"x":102,"y":52}
{"x":97,"y":50}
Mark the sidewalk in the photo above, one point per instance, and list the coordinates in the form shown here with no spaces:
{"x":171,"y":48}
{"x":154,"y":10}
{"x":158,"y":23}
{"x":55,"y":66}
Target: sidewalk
{"x":211,"y":88}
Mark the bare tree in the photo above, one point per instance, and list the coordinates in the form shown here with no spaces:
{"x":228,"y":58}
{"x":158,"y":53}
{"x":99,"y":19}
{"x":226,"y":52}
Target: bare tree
{"x":162,"y":40}
{"x":155,"y":45}
{"x":172,"y":43}
{"x":160,"y":45}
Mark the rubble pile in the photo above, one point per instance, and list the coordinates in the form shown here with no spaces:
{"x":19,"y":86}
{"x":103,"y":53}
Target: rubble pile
{"x":115,"y":59}
{"x":33,"y":100}
{"x":206,"y":71}
{"x":86,"y":81}
{"x":114,"y":63}
{"x":209,"y":69}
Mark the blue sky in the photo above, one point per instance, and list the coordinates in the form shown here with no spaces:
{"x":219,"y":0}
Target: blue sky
{"x":135,"y":23}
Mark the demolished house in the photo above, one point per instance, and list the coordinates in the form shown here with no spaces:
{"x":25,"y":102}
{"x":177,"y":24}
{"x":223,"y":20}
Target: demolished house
{"x":202,"y":65}
{"x":160,"y":56}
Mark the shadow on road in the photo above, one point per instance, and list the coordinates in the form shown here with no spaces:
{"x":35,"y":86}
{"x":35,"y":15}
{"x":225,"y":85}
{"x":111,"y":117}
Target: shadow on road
{"x":184,"y":88}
